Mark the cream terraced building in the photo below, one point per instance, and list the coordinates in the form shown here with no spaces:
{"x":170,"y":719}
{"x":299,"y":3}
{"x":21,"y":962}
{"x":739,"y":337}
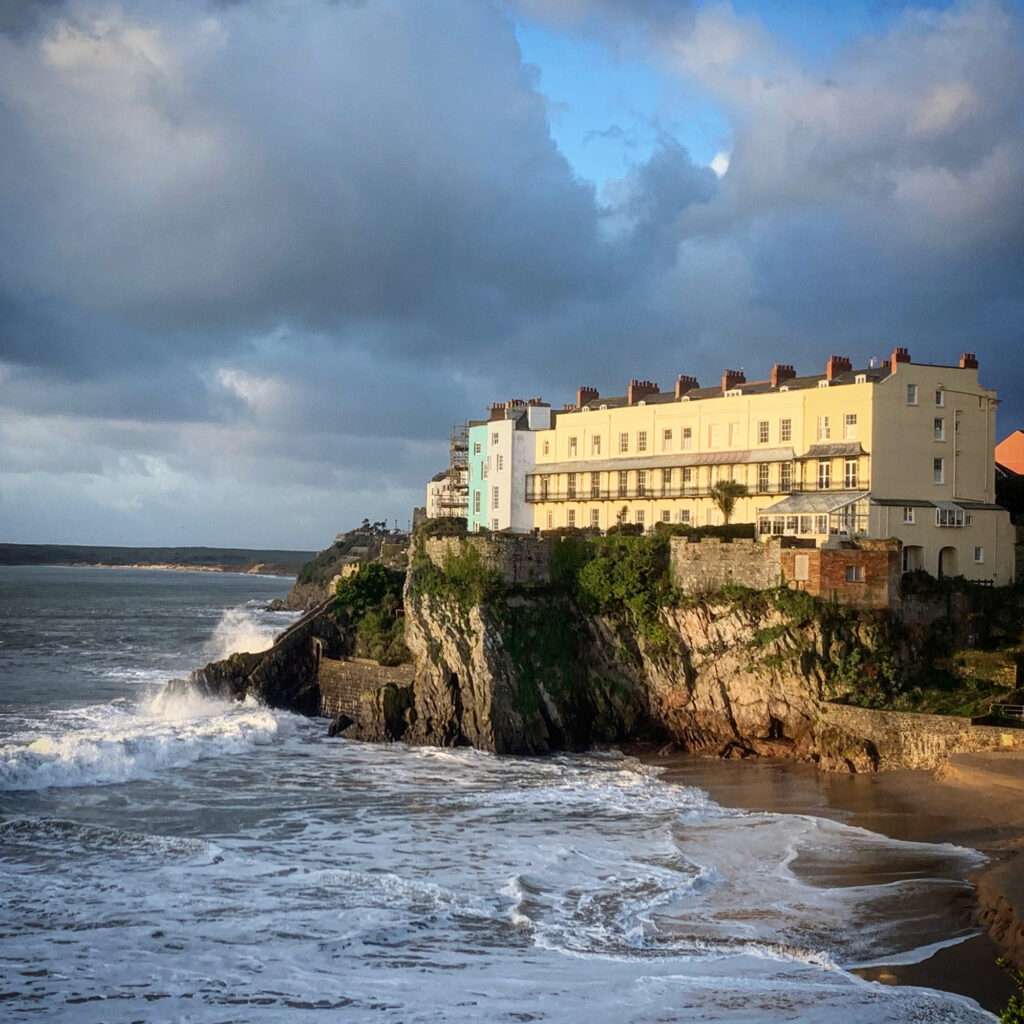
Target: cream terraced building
{"x":900,"y":450}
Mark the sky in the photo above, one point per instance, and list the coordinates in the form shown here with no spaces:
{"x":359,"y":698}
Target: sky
{"x":258,"y":256}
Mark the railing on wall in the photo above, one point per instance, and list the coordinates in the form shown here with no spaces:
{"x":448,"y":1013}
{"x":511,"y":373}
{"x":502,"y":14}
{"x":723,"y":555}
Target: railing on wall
{"x":584,"y":493}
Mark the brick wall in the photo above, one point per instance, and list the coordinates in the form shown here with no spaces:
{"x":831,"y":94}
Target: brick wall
{"x":906,"y":740}
{"x":874,"y":566}
{"x":519,"y":559}
{"x":343,"y":681}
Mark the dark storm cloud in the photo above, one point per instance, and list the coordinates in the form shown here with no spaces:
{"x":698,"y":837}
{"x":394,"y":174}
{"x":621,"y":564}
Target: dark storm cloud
{"x":263,"y":254}
{"x":19,"y":17}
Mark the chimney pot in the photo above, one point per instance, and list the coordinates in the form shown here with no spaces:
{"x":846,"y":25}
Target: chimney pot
{"x":732,"y":379}
{"x":968,"y":361}
{"x":899,"y":355}
{"x":781,"y":372}
{"x":837,"y":365}
{"x":639,"y":389}
{"x":685,"y":383}
{"x":586,"y":394}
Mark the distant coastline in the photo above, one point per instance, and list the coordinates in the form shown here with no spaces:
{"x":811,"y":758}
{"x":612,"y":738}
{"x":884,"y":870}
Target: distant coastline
{"x":250,"y":561}
{"x":256,"y":570}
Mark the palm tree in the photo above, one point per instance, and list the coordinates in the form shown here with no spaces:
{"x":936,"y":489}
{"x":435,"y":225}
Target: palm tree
{"x":725,"y":493}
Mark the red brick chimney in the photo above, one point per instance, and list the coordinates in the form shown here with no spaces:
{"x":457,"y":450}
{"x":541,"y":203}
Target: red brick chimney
{"x":781,"y":372}
{"x":497,"y":411}
{"x":586,"y":394}
{"x":968,"y":361}
{"x":837,"y":365}
{"x":685,"y":383}
{"x":732,"y":379}
{"x":899,"y":355}
{"x":639,"y":389}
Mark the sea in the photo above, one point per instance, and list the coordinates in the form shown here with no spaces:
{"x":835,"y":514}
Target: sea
{"x":173,"y":858}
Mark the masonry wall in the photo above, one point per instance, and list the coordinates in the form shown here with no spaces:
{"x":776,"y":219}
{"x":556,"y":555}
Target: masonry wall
{"x":343,"y":681}
{"x":906,"y":740}
{"x":827,"y":571}
{"x":519,"y":560}
{"x":711,"y":563}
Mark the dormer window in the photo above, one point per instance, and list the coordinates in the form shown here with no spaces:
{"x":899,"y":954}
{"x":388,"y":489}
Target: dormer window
{"x":784,"y":387}
{"x":641,"y":402}
{"x":822,"y":383}
{"x":861,"y":378}
{"x":603,"y":406}
{"x":734,"y":393}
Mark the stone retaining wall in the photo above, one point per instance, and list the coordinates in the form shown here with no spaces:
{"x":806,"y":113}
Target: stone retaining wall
{"x":905,"y":740}
{"x":520,"y":560}
{"x":866,"y":575}
{"x":711,"y":563}
{"x":343,"y":681}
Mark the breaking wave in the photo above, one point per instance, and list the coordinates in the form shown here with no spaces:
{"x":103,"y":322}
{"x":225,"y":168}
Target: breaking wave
{"x":246,"y":630}
{"x":170,"y":730}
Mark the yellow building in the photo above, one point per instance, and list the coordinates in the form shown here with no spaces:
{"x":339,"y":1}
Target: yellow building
{"x":900,"y":450}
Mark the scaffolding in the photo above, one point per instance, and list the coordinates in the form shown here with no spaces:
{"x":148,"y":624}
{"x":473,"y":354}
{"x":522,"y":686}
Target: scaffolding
{"x":454,"y":500}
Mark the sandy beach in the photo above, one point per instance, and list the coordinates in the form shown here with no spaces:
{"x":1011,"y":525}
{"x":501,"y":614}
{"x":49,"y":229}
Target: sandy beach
{"x":974,"y":800}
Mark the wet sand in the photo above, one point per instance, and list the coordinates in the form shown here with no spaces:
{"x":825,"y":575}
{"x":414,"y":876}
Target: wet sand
{"x":967,"y":805}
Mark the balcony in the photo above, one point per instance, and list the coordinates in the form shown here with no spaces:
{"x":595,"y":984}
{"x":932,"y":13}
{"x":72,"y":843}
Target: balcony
{"x":635,"y":493}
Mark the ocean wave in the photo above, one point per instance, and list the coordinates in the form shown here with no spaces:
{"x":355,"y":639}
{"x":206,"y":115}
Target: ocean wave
{"x":243,"y":630}
{"x":170,"y":730}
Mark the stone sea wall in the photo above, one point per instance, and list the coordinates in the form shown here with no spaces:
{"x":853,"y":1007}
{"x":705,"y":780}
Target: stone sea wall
{"x":906,"y":740}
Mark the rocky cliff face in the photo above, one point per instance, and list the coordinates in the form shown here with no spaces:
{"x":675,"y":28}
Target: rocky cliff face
{"x":530,"y":673}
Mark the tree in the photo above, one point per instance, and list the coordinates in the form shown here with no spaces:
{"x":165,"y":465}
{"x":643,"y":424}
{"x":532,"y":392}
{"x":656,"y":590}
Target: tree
{"x":725,"y":494}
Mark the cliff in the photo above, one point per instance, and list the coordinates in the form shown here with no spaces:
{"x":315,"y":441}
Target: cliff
{"x":532,"y":673}
{"x":520,"y":648}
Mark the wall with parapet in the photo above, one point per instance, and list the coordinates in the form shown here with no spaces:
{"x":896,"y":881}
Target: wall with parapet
{"x":520,"y":560}
{"x":711,"y":563}
{"x":906,"y":740}
{"x":344,"y":681}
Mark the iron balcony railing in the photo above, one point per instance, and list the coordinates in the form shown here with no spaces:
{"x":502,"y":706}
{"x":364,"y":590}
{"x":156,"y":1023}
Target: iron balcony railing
{"x":635,"y":492}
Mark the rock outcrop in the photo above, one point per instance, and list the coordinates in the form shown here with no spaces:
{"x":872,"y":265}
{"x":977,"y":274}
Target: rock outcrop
{"x":530,"y":673}
{"x":286,"y":675}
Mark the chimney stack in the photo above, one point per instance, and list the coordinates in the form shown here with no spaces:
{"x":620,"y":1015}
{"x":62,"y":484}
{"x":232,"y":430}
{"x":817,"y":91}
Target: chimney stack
{"x":639,"y":389}
{"x":497,"y":411}
{"x":732,"y":379}
{"x":968,"y":361}
{"x":586,"y":394}
{"x":899,"y":355}
{"x":837,"y":365}
{"x":781,"y":372}
{"x":685,"y":383}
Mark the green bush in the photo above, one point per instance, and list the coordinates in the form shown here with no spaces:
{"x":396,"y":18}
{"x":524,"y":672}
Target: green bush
{"x":372,"y":602}
{"x":626,"y":574}
{"x":1014,"y":1011}
{"x":444,"y":526}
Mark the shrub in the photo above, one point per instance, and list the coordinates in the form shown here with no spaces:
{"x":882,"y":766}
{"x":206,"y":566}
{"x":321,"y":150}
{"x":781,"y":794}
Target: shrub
{"x":1014,"y":1011}
{"x":445,"y":526}
{"x":372,"y":600}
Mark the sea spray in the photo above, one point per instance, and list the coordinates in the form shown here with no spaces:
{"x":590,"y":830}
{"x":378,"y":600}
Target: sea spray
{"x":245,"y":630}
{"x":172,"y":729}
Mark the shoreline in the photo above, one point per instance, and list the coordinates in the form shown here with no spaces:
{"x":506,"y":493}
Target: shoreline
{"x":157,"y":567}
{"x":958,"y":805}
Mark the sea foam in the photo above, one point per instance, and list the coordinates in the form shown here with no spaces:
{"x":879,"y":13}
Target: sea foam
{"x":170,"y":730}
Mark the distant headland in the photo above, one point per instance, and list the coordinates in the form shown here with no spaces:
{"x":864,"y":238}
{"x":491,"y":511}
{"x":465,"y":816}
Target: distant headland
{"x":202,"y":559}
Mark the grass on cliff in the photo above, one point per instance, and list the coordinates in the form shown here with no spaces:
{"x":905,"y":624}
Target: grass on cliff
{"x":371,"y":600}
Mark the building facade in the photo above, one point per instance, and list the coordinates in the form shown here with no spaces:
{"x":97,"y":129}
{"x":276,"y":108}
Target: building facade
{"x":502,"y":453}
{"x":898,"y":450}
